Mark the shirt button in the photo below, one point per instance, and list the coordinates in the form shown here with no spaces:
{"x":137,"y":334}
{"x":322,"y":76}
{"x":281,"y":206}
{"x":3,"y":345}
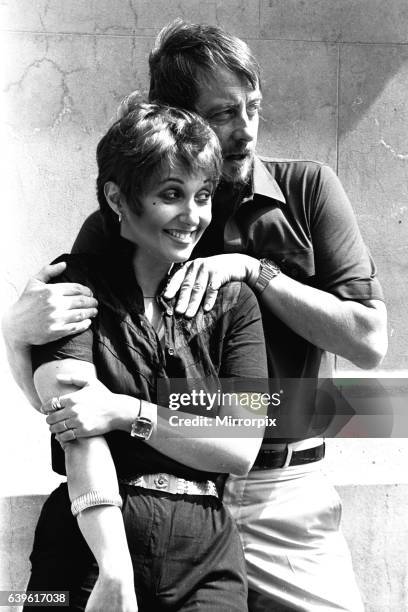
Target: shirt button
{"x":170,"y":351}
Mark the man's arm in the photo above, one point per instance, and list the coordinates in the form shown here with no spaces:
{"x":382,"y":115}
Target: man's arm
{"x":354,"y":330}
{"x":89,"y":467}
{"x":351,"y":329}
{"x":43,"y":313}
{"x":344,"y":315}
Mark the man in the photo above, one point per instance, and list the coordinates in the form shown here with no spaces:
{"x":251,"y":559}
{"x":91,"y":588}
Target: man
{"x":287,"y":229}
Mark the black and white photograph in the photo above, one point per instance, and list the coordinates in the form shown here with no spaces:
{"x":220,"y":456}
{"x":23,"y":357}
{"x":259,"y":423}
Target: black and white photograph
{"x":204,"y":349}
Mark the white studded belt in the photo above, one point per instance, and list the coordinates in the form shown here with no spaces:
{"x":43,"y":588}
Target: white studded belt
{"x":171,"y":484}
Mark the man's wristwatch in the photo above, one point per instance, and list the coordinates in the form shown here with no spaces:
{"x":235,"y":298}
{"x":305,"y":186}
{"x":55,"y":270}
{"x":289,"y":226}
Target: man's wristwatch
{"x":268,"y":270}
{"x":142,"y":427}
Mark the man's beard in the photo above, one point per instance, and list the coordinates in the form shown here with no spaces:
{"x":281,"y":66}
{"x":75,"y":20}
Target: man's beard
{"x":238,"y":172}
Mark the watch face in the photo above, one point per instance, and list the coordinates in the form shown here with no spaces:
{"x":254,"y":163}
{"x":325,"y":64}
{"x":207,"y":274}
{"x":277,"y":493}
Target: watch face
{"x":142,"y":428}
{"x":270,"y":265}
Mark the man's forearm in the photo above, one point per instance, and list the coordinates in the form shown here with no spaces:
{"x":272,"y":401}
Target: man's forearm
{"x":19,"y":358}
{"x":355,"y":330}
{"x":347,"y":328}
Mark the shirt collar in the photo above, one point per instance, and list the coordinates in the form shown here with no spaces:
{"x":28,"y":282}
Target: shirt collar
{"x":264,"y":184}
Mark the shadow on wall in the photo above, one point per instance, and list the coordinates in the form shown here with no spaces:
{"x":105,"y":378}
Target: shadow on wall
{"x":361,"y":21}
{"x":365,"y":73}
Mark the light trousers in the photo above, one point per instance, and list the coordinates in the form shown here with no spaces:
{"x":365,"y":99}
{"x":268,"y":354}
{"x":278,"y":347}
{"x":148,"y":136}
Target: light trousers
{"x":296,"y":555}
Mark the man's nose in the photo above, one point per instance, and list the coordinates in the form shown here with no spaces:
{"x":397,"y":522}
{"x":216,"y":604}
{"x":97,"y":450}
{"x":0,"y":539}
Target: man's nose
{"x":244,"y":128}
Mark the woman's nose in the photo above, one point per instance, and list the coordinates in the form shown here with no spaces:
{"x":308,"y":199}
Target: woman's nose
{"x":190,"y":213}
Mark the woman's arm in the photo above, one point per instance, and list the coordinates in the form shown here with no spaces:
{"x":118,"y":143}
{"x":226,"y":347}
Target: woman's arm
{"x":89,"y":466}
{"x":216,"y":446}
{"x":230,"y":449}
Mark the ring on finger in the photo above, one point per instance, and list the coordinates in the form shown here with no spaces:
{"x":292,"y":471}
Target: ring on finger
{"x":65,"y":425}
{"x":73,"y":434}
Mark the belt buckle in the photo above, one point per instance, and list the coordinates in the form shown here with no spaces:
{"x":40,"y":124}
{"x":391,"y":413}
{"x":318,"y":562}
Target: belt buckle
{"x":161,"y":482}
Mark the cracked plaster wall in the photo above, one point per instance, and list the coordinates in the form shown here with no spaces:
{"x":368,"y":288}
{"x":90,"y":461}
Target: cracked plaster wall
{"x":335,"y":86}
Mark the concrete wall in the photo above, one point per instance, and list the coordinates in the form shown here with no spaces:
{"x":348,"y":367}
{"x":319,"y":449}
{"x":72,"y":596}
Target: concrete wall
{"x":335,"y":85}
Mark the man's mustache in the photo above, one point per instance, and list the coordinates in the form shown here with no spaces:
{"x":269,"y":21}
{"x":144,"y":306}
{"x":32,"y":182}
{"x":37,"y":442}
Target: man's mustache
{"x":238,"y":152}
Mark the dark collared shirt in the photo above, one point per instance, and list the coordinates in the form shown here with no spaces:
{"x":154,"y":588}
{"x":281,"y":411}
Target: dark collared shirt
{"x":297,"y":214}
{"x":225,"y":343}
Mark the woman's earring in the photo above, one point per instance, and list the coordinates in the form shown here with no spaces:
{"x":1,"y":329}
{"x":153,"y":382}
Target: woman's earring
{"x":120,"y":217}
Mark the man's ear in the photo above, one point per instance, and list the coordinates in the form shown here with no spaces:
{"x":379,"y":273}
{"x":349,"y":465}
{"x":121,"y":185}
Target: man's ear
{"x":113,"y":196}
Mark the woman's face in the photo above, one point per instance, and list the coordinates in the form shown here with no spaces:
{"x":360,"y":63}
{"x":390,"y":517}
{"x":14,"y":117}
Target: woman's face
{"x":176,"y":210}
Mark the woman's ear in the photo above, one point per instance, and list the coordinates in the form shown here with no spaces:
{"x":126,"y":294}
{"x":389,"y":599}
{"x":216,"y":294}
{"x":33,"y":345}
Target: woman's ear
{"x":113,"y":197}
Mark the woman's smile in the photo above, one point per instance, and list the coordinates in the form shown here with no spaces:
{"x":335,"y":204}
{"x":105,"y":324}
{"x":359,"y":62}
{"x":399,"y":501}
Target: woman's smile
{"x":184,"y":236}
{"x":176,"y":210}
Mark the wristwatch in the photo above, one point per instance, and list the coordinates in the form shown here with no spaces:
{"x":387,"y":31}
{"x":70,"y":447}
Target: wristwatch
{"x":142,"y":427}
{"x":268,"y":271}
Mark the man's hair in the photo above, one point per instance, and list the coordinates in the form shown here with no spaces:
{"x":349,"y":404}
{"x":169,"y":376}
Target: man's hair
{"x":186,"y":53}
{"x":144,"y":141}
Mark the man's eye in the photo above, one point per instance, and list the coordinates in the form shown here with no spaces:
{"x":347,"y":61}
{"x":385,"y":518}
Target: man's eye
{"x":253,"y":109}
{"x":224,"y":115}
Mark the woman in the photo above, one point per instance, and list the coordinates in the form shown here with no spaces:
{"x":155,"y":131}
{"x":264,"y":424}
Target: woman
{"x":173,"y":542}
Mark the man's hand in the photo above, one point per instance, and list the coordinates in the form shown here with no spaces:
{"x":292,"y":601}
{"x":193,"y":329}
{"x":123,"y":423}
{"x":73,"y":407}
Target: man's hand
{"x":91,"y":411}
{"x":200,"y":279}
{"x":44,"y":313}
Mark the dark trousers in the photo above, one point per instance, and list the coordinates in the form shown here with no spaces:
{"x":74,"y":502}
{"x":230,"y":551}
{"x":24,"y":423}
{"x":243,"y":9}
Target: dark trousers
{"x":185,"y":550}
{"x":262,"y":603}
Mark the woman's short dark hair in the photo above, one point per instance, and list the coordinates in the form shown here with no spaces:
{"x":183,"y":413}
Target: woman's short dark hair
{"x":145,"y":140}
{"x":185,"y":53}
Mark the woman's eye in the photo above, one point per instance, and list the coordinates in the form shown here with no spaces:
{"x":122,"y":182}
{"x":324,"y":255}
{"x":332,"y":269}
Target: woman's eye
{"x":170,"y":195}
{"x":203,"y":197}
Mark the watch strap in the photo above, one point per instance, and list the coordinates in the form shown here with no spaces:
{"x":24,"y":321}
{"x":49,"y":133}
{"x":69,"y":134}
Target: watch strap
{"x":268,"y":270}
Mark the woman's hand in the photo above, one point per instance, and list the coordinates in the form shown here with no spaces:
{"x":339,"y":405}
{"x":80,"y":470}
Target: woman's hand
{"x":111,"y":593}
{"x":93,"y":410}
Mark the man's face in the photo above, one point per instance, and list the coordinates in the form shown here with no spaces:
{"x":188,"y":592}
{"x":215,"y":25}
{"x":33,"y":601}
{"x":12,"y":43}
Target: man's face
{"x":231,"y":106}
